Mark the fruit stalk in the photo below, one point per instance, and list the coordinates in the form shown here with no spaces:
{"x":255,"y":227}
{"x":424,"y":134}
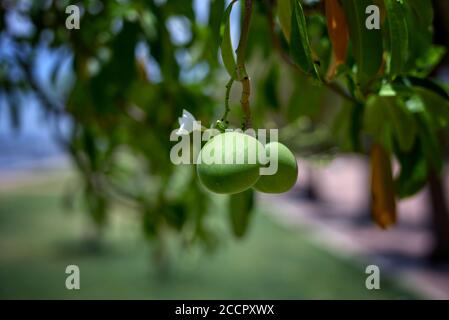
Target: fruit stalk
{"x":227,"y":96}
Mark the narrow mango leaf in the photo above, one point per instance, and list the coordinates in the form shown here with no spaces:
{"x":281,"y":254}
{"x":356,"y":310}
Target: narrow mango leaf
{"x":366,"y":43}
{"x":387,"y":117}
{"x":430,"y":143}
{"x":240,"y":207}
{"x":422,"y":55}
{"x":216,"y":8}
{"x":227,"y":53}
{"x":423,"y":9}
{"x":299,"y":41}
{"x":433,"y":98}
{"x":402,"y":121}
{"x":431,"y":85}
{"x":284,"y":12}
{"x":413,"y":173}
{"x":398,"y":31}
{"x":377,"y":122}
{"x":383,"y":202}
{"x":436,"y":106}
{"x":337,"y":29}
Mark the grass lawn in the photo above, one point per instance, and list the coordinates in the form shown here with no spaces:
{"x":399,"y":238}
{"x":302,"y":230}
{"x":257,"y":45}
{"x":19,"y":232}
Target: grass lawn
{"x":38,"y":239}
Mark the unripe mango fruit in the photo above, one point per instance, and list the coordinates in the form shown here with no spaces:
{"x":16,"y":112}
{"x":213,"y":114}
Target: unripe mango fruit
{"x":285,"y":177}
{"x":229,"y":163}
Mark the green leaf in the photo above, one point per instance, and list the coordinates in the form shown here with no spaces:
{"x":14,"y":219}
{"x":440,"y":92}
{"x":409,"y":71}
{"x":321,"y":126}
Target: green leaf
{"x":284,"y":11}
{"x":340,"y":127}
{"x":432,"y":96}
{"x":430,"y":85}
{"x":270,"y":89}
{"x":240,"y":207}
{"x":402,"y":122}
{"x":436,"y":106}
{"x":423,"y":9}
{"x":422,"y":55}
{"x":430,"y":143}
{"x":398,"y":31}
{"x":387,"y":117}
{"x":429,"y":59}
{"x":216,"y":8}
{"x":299,"y":41}
{"x":366,"y":44}
{"x":374,"y":121}
{"x":227,"y":53}
{"x":413,"y":173}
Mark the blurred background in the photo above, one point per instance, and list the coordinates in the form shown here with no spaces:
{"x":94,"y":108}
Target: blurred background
{"x":86,"y":179}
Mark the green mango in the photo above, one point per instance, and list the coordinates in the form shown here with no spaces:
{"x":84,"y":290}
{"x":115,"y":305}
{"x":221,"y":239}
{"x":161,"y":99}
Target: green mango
{"x":239,"y":167}
{"x":285,"y":177}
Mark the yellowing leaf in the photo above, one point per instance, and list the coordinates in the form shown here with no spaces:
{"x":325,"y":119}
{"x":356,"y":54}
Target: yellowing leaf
{"x":337,"y":29}
{"x":383,"y":201}
{"x":284,"y":11}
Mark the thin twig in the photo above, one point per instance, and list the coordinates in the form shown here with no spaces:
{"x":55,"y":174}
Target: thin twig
{"x":228,"y":93}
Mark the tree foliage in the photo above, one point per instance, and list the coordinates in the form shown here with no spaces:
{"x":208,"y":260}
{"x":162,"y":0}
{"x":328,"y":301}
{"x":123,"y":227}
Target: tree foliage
{"x":133,"y":66}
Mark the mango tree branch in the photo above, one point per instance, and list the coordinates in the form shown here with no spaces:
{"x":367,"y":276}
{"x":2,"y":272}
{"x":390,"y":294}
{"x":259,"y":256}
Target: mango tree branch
{"x":241,"y":70}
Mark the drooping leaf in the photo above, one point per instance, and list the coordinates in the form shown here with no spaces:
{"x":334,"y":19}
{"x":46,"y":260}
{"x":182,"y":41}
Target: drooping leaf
{"x":340,"y":127}
{"x":366,"y":44}
{"x":337,"y":29}
{"x":374,"y":123}
{"x":430,"y":143}
{"x":216,"y":8}
{"x":422,"y":54}
{"x":227,"y":53}
{"x":434,"y":99}
{"x":402,"y":121}
{"x":383,"y":202}
{"x":387,"y":119}
{"x":423,"y":9}
{"x":429,"y":84}
{"x":437,"y":108}
{"x":416,"y":163}
{"x":413,"y":171}
{"x":398,"y":35}
{"x":299,"y":41}
{"x":240,"y":207}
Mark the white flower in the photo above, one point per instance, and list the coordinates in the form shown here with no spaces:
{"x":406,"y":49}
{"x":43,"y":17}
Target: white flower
{"x":186,"y":123}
